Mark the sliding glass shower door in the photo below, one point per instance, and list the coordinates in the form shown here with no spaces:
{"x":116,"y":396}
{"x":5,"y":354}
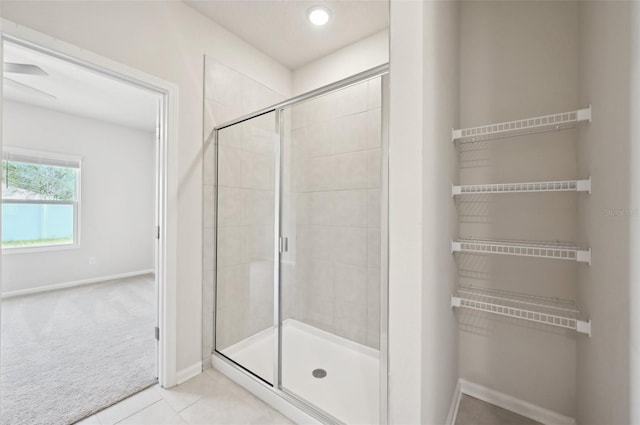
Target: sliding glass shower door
{"x":300,"y":269}
{"x":246,"y":195}
{"x":330,"y":281}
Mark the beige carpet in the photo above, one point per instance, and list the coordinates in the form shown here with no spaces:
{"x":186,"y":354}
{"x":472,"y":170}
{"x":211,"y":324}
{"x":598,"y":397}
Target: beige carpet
{"x":67,"y":354}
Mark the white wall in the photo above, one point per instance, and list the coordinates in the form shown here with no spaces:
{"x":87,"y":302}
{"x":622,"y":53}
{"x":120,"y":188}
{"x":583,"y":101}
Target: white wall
{"x":167,"y":39}
{"x":117,"y":197}
{"x":352,"y":59}
{"x":634,"y":290}
{"x":519,"y":59}
{"x":441,"y":104}
{"x":405,"y":219}
{"x":603,"y":361}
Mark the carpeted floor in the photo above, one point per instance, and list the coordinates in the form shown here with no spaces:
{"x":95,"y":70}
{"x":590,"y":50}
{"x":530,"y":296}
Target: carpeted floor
{"x":67,"y":354}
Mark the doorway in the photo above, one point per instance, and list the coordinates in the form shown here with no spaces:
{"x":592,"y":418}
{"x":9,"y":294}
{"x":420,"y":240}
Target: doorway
{"x":53,"y":300}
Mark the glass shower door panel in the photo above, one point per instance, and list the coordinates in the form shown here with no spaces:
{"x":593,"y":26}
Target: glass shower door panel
{"x":330,"y":275}
{"x":245,"y":244}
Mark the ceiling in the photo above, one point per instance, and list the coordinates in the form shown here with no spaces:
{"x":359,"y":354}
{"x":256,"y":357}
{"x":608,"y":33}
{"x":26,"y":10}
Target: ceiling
{"x":280,"y":28}
{"x":78,"y":90}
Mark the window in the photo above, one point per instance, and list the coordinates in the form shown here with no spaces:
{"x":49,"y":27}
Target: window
{"x":40,"y":200}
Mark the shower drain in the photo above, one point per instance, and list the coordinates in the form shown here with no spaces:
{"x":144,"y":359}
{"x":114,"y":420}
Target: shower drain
{"x":319,"y":373}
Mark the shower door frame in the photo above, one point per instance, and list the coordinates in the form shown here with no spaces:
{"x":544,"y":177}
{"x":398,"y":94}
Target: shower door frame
{"x":276,"y":389}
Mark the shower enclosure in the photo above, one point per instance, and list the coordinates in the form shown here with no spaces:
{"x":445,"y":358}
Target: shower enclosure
{"x":301,"y":249}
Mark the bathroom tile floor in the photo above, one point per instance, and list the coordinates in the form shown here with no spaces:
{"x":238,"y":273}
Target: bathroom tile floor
{"x":207,"y":399}
{"x":477,"y":412}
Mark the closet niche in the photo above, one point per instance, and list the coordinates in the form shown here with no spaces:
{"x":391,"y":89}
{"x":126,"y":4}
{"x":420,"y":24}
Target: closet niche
{"x":517,"y":194}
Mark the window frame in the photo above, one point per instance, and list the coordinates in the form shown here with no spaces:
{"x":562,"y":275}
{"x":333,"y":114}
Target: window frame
{"x":54,"y":159}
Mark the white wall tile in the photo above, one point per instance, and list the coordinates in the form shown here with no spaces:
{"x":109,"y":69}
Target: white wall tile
{"x":323,"y":173}
{"x":351,"y":100}
{"x":350,"y":133}
{"x":258,"y":243}
{"x":257,"y":171}
{"x":319,"y":311}
{"x":374,"y":129}
{"x":219,"y":113}
{"x":257,"y":139}
{"x":351,"y":283}
{"x":259,"y":207}
{"x":209,"y":163}
{"x":233,"y":285}
{"x":303,"y":208}
{"x":321,"y":208}
{"x":255,"y":96}
{"x":230,"y":166}
{"x":350,"y":320}
{"x":299,"y":115}
{"x":222,"y":84}
{"x":231,"y":136}
{"x":230,"y":326}
{"x":374,"y":167}
{"x":208,"y":203}
{"x":350,"y":170}
{"x":373,"y":248}
{"x":321,"y":278}
{"x":230,"y":245}
{"x":208,"y":248}
{"x":230,"y":208}
{"x":320,"y":242}
{"x":374,"y":93}
{"x":350,"y":208}
{"x":374,"y":207}
{"x":321,"y":138}
{"x":350,"y":245}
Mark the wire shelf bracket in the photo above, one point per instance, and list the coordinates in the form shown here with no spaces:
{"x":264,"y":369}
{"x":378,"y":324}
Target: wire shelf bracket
{"x":558,"y":251}
{"x":519,"y":127}
{"x":533,"y":312}
{"x":529,"y":187}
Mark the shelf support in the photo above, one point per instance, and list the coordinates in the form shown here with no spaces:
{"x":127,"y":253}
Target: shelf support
{"x":584,"y":327}
{"x":455,"y":302}
{"x":583,"y":256}
{"x":584,"y":185}
{"x":584,"y":114}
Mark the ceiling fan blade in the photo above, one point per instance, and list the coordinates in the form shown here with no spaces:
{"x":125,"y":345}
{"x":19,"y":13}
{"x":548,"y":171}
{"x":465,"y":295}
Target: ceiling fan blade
{"x":24,"y":87}
{"x":24,"y":68}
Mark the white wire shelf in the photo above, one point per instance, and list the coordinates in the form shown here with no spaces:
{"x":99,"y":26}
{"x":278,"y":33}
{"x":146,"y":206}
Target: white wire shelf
{"x":551,"y":186}
{"x":554,"y":312}
{"x":556,"y":250}
{"x":519,"y":127}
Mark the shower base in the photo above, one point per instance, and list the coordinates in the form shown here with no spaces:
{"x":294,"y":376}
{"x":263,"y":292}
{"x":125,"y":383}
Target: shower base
{"x":350,"y":389}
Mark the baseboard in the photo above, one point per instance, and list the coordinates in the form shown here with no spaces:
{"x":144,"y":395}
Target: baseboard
{"x":455,"y":403}
{"x":515,"y":405}
{"x":30,"y":291}
{"x":189,"y":372}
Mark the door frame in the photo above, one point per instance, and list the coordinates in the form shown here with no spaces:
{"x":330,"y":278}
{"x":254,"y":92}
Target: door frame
{"x":167,"y":176}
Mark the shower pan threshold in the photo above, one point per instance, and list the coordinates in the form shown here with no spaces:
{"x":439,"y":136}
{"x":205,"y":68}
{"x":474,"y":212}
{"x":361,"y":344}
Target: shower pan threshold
{"x":349,"y":391}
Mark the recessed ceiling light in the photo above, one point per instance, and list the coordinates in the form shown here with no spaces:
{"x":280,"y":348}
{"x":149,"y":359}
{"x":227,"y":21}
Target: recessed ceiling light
{"x":318,"y":15}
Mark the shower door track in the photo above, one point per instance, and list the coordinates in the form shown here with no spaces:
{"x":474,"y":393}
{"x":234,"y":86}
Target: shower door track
{"x":254,"y":382}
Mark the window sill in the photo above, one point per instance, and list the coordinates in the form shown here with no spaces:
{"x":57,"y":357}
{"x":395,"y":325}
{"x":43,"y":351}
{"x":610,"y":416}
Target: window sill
{"x":35,"y":249}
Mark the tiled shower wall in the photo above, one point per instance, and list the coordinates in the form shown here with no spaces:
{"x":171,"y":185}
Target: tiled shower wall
{"x":330,"y":213}
{"x":228,"y":95}
{"x":336,"y":183}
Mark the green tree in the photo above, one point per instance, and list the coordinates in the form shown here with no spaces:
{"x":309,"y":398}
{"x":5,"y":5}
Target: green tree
{"x":50,"y":182}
